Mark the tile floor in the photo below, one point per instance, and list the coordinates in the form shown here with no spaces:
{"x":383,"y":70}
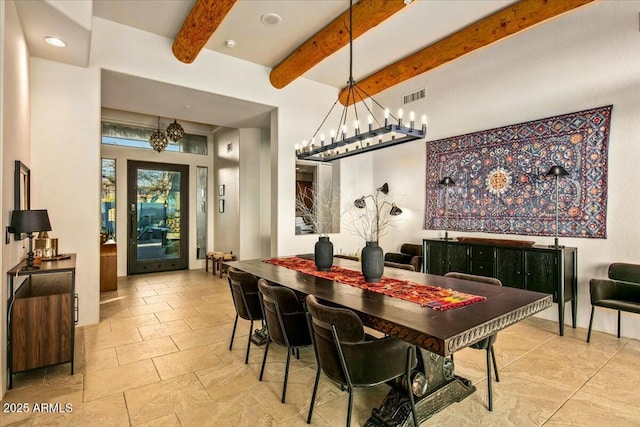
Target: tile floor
{"x":160,"y":357}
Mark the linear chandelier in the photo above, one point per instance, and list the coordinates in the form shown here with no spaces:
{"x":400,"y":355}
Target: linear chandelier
{"x":386,"y":134}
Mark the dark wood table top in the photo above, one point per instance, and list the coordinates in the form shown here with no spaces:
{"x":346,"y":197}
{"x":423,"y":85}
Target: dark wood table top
{"x":441,"y":332}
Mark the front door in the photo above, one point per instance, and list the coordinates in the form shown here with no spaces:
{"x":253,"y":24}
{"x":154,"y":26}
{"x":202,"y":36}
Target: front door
{"x":158,"y":217}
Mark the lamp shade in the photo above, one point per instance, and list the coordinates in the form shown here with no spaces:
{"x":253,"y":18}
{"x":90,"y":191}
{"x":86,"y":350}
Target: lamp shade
{"x":30,"y":221}
{"x":395,"y":211}
{"x":360,"y":203}
{"x":447,"y":180}
{"x":384,"y":188}
{"x":557,"y":171}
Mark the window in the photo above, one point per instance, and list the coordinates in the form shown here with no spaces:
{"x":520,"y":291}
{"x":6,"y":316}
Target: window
{"x":108,"y":198}
{"x":138,"y":137}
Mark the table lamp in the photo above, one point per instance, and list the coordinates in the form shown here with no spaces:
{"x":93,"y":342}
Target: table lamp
{"x":557,"y":171}
{"x":29,"y":222}
{"x":447,"y":182}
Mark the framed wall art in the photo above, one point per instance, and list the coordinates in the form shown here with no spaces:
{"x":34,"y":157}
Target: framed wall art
{"x":21,"y":191}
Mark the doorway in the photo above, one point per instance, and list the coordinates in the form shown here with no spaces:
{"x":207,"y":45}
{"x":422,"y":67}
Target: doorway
{"x":158,"y":223}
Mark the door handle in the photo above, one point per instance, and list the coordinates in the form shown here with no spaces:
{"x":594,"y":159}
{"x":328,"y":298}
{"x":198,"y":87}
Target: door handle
{"x":134,"y":234}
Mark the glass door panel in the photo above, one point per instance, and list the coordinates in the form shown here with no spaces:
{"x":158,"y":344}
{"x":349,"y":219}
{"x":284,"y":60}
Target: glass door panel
{"x":158,"y":217}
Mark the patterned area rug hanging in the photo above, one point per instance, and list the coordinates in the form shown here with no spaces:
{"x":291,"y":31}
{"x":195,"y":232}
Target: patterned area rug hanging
{"x":501,"y":184}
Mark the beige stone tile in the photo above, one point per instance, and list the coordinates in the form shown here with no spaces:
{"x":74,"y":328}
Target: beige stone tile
{"x":365,"y":399}
{"x":192,"y":360}
{"x":134,"y":322}
{"x":299,"y":389}
{"x":207,"y":320}
{"x":100,"y":359}
{"x":111,"y":339}
{"x":162,"y":298}
{"x":588,"y":409}
{"x":109,"y":381}
{"x":180,"y":394}
{"x":149,"y":308}
{"x":199,"y":338}
{"x":108,"y":411}
{"x":60,"y":375}
{"x":145,"y":350}
{"x":170,"y":420}
{"x":164,"y":329}
{"x":27,"y":397}
{"x":239,"y":409}
{"x":227,"y":378}
{"x":179,"y":314}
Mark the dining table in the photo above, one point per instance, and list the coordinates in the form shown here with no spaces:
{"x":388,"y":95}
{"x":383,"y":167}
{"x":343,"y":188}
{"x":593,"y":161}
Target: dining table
{"x":436,"y":329}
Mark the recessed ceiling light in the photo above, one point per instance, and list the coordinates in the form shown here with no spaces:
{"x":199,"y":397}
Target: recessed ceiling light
{"x":54,"y":41}
{"x":230,"y":43}
{"x":270,"y":19}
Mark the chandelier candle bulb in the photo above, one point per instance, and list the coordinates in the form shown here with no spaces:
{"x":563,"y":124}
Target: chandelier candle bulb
{"x":400,"y":117}
{"x":344,"y":132}
{"x":424,"y":123}
{"x":322,"y":139}
{"x":356,"y":126}
{"x":386,"y":118}
{"x":333,"y":136}
{"x":412,"y":118}
{"x":370,"y":122}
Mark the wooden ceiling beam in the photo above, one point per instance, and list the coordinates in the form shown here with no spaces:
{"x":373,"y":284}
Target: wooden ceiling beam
{"x":198,"y":27}
{"x":497,"y":26}
{"x":366,"y":15}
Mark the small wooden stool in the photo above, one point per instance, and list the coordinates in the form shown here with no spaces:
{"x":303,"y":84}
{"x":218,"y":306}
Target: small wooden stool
{"x":211,"y":257}
{"x":220,"y":259}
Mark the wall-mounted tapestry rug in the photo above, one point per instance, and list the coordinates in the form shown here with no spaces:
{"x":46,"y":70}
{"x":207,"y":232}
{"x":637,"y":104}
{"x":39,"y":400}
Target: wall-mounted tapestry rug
{"x":501,"y":184}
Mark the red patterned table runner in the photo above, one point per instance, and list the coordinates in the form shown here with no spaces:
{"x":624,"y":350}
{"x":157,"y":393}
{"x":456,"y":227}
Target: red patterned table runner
{"x":425,"y":295}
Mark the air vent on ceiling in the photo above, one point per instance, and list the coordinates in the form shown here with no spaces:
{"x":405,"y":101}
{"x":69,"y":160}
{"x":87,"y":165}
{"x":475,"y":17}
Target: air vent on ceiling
{"x":414,"y":96}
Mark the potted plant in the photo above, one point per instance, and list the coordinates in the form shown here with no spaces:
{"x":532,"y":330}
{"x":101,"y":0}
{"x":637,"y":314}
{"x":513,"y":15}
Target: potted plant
{"x":315,"y":206}
{"x":371,"y":221}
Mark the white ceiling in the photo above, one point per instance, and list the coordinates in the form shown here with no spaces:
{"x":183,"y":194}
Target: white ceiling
{"x":419,"y":24}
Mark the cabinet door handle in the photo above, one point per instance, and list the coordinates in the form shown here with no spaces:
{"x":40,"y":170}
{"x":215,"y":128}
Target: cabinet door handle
{"x":76,"y":309}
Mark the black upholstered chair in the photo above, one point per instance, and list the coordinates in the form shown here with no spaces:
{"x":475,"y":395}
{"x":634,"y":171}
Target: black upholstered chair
{"x":410,"y":254}
{"x":485,"y":343}
{"x":246,"y":299}
{"x":620,"y":292}
{"x":352,"y":359}
{"x":286,"y":322}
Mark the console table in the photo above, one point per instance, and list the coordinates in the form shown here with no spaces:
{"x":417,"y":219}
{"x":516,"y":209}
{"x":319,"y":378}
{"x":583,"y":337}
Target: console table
{"x":41,"y":316}
{"x":536,"y":268}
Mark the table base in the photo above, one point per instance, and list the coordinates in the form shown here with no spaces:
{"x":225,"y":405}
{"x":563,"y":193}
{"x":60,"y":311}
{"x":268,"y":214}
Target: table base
{"x":444,"y":388}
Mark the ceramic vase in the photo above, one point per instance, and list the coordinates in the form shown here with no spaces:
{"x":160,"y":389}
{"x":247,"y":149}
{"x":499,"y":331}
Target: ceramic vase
{"x":323,"y":254}
{"x":372,"y":262}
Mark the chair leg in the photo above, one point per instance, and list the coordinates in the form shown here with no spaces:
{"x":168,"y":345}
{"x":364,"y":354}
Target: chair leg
{"x":313,"y":395}
{"x":286,"y":377}
{"x":410,"y":391}
{"x":495,"y":365}
{"x":490,"y":397}
{"x":233,"y":333}
{"x":350,"y":405}
{"x":264,"y":359}
{"x":619,"y":313}
{"x":593,"y":309}
{"x":246,"y":358}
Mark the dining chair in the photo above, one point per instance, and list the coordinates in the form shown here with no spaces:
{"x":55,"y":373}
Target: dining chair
{"x":485,"y":343}
{"x":246,"y":299}
{"x":286,"y":323}
{"x":350,"y":357}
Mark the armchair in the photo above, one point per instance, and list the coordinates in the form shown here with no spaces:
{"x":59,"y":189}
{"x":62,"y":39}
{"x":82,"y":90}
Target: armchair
{"x":410,"y":254}
{"x":620,"y":292}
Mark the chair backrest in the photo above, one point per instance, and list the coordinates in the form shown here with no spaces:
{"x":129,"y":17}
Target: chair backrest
{"x":411,"y":249}
{"x":349,"y":329}
{"x":285,"y":320}
{"x":244,"y":291}
{"x":624,"y":272}
{"x":474,"y":278}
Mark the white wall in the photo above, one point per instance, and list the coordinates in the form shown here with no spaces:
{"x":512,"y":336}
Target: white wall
{"x":587,"y":58}
{"x":15,"y":145}
{"x":226,"y":170}
{"x":65,"y":168}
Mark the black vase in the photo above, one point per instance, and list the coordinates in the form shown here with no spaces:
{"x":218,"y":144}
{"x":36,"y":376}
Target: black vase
{"x":323,"y":254}
{"x":372,"y":262}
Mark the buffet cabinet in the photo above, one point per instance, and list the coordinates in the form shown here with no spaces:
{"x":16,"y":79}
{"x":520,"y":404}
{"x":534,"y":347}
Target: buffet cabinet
{"x":551,"y":270}
{"x":42,"y":314}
